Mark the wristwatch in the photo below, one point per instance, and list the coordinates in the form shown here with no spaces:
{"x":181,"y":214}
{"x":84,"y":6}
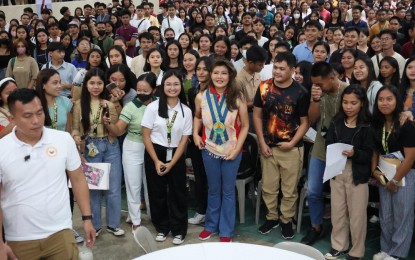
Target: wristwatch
{"x":89,"y":217}
{"x":395,"y":182}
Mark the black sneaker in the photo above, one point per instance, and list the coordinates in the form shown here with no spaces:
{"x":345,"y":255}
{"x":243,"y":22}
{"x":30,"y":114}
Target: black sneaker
{"x":312,"y":236}
{"x":268,"y":226}
{"x":287,"y":230}
{"x":349,"y":257}
{"x":334,"y":254}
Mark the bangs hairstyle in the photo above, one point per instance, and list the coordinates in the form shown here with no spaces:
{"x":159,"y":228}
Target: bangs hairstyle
{"x":86,"y":97}
{"x":125,"y":71}
{"x":42,"y":78}
{"x":395,"y":76}
{"x":234,"y":92}
{"x":162,"y":112}
{"x":147,"y":66}
{"x":102,"y":65}
{"x":364,"y":114}
{"x":121,"y":51}
{"x":379,"y":119}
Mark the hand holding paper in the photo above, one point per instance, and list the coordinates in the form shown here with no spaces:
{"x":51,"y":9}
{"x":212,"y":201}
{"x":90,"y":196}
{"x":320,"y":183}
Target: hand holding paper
{"x":335,"y":160}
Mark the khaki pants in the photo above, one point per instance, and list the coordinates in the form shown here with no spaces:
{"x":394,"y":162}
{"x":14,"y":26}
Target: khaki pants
{"x":59,"y":246}
{"x":348,"y":212}
{"x":285,"y":166}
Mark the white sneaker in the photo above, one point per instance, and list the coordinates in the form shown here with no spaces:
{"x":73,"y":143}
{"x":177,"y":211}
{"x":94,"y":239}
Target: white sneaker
{"x":374,"y":219}
{"x":380,"y":256}
{"x":197,"y":219}
{"x":390,"y":258}
{"x":116,"y":231}
{"x":77,"y":237}
{"x":161,"y":237}
{"x":178,"y":240}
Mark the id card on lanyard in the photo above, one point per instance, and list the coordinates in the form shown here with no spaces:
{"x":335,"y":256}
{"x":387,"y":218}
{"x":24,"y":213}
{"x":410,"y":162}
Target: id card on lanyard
{"x":169,"y":154}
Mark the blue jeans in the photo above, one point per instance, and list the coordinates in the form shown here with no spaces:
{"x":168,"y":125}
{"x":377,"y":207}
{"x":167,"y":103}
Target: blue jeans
{"x":108,"y":153}
{"x":221,"y":177}
{"x":315,"y":190}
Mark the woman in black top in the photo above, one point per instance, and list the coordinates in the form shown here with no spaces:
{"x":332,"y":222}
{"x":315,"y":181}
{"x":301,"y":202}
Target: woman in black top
{"x":40,"y":53}
{"x":396,"y":200}
{"x":6,"y":52}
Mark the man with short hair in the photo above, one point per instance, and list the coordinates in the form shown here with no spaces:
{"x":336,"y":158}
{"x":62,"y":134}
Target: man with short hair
{"x":304,"y":51}
{"x":244,"y":44}
{"x":249,"y":78}
{"x":264,"y":14}
{"x":102,"y":16}
{"x":66,"y":18}
{"x":163,"y":13}
{"x":323,"y":12}
{"x":281,"y":120}
{"x":45,"y":13}
{"x":128,"y":32}
{"x":140,"y":23}
{"x":25,"y":19}
{"x":381,"y":23}
{"x":349,"y":12}
{"x":73,"y":28}
{"x":148,"y":14}
{"x":146,"y":43}
{"x":351,"y":38}
{"x":173,"y":22}
{"x":103,"y":41}
{"x":35,"y":210}
{"x":388,"y":39}
{"x":3,"y":25}
{"x":53,"y":30}
{"x":210,"y":23}
{"x":247,"y":27}
{"x":394,"y":25}
{"x":325,"y":102}
{"x":408,"y":48}
{"x":357,"y":21}
{"x":67,"y":71}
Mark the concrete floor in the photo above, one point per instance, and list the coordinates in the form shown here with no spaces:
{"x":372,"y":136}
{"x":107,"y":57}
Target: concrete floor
{"x":109,"y":247}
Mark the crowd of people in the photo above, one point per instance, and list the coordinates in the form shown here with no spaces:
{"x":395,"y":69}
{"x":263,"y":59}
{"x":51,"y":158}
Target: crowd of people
{"x":144,"y":91}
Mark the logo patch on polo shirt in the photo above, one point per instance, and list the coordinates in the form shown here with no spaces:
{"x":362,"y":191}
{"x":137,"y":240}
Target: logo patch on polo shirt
{"x":51,"y":151}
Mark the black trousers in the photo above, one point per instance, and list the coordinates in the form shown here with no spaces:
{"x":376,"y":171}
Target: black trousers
{"x":201,"y":187}
{"x":167,"y":195}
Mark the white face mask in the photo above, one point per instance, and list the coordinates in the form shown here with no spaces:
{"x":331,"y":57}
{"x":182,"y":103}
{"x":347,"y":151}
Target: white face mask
{"x":244,"y":53}
{"x":296,"y":16}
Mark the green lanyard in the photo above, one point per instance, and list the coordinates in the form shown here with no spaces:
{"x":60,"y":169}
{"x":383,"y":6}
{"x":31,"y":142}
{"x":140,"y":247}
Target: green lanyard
{"x":385,"y":138}
{"x":55,"y":116}
{"x":170,"y":126}
{"x":95,"y":121}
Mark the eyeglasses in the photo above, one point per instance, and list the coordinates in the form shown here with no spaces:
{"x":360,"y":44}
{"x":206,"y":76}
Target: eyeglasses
{"x":385,"y":39}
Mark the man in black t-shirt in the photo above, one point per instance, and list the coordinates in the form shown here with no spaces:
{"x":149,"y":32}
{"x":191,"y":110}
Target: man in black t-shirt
{"x":281,"y":120}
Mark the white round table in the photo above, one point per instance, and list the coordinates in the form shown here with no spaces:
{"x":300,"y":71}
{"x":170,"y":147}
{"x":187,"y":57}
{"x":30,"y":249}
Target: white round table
{"x":226,"y":251}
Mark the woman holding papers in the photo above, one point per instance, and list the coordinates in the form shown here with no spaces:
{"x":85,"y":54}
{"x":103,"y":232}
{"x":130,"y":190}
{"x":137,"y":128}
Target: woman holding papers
{"x":101,"y":146}
{"x":396,"y":200}
{"x":349,"y":190}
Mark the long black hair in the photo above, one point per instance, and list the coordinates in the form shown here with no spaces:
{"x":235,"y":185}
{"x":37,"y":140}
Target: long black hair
{"x":364,"y":114}
{"x":121,"y":51}
{"x":163,"y":98}
{"x":227,"y":43}
{"x":305,"y":70}
{"x":405,"y":82}
{"x":86,"y":97}
{"x":379,"y":119}
{"x":42,"y":78}
{"x":102,"y":65}
{"x":395,"y":76}
{"x":179,"y":58}
{"x":371,"y":72}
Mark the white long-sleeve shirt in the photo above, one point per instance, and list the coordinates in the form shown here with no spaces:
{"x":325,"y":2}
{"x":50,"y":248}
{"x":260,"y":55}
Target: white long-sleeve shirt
{"x":175,"y":23}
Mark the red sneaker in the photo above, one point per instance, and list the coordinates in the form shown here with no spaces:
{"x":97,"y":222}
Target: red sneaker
{"x":205,"y":235}
{"x":225,"y":239}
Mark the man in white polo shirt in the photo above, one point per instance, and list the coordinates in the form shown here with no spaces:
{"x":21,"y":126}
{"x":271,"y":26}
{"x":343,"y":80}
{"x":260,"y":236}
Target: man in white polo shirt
{"x":34,"y":196}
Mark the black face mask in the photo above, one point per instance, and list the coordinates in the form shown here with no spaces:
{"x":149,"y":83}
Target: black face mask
{"x":4,"y":41}
{"x":144,"y":97}
{"x":168,"y":39}
{"x":101,"y":32}
{"x":196,"y":38}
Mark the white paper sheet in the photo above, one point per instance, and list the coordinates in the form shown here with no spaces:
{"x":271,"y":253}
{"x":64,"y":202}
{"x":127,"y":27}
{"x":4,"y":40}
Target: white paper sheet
{"x":388,"y":169}
{"x":311,"y":134}
{"x":335,"y":160}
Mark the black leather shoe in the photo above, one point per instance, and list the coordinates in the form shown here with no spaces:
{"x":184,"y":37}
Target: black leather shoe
{"x":312,"y":236}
